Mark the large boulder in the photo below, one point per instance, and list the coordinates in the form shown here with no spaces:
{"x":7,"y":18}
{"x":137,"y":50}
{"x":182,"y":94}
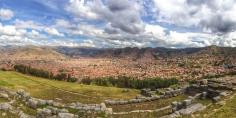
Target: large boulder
{"x":44,"y":113}
{"x":62,"y":110}
{"x":23,"y":95}
{"x":216,"y":99}
{"x":192,"y":109}
{"x":103,"y":106}
{"x":21,"y":114}
{"x":49,"y":102}
{"x":204,"y":82}
{"x":66,"y":115}
{"x":5,"y":106}
{"x":42,"y":102}
{"x":57,"y":104}
{"x":204,"y":95}
{"x":20,"y":92}
{"x":223,"y":94}
{"x":174,"y":106}
{"x":4,"y":95}
{"x":54,"y":110}
{"x":187,"y":102}
{"x":33,"y":103}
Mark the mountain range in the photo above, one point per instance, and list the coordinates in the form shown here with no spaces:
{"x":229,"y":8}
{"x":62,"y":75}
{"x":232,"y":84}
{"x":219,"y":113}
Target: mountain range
{"x":185,"y":63}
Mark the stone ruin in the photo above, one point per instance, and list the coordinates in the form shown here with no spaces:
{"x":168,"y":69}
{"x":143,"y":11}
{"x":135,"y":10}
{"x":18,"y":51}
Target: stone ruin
{"x":148,"y":95}
{"x":177,"y":106}
{"x":167,"y":92}
{"x":213,"y":89}
{"x":52,"y":110}
{"x":185,"y":107}
{"x":138,"y":99}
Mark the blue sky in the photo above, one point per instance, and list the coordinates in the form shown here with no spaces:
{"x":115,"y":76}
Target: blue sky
{"x":118,"y":23}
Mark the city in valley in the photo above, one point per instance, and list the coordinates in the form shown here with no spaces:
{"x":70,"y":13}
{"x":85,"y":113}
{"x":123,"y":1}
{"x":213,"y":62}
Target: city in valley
{"x":117,"y":59}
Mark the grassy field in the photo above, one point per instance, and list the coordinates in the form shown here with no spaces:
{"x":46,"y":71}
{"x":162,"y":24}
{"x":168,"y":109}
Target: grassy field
{"x":72,"y":92}
{"x":227,"y":111}
{"x":215,"y":110}
{"x":68,"y":92}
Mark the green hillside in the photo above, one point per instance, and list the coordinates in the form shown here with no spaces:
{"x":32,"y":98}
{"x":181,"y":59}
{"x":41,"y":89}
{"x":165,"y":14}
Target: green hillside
{"x":72,"y":92}
{"x":68,"y":92}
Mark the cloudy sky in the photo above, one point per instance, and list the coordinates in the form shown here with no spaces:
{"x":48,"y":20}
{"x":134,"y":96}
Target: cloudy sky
{"x":118,"y":23}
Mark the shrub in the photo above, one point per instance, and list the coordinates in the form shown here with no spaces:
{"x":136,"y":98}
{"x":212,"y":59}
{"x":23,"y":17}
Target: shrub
{"x":128,"y":82}
{"x":45,"y":74}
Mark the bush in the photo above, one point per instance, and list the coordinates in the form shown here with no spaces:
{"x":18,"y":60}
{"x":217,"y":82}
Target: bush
{"x":72,"y":79}
{"x":3,"y":69}
{"x":128,"y":82}
{"x":45,"y":74}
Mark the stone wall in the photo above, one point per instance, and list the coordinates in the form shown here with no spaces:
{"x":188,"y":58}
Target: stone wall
{"x":211,"y":88}
{"x":147,"y":95}
{"x":48,"y":108}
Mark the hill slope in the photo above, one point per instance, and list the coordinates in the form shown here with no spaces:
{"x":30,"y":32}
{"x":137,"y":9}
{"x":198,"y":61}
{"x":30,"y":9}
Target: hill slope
{"x":30,"y":53}
{"x":68,"y":92}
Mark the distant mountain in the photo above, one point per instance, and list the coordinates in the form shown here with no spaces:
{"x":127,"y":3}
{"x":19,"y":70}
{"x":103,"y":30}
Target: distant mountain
{"x":187,"y":63}
{"x":34,"y":52}
{"x":30,"y":53}
{"x":137,"y":53}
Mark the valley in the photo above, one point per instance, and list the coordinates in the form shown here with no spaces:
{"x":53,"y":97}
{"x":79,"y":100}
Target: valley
{"x":117,"y":59}
{"x":184,"y":64}
{"x":119,"y":83}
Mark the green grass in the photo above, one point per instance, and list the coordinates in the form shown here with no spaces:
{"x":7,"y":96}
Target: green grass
{"x":147,"y":106}
{"x":204,"y":102}
{"x":72,"y":92}
{"x":2,"y":100}
{"x":217,"y":111}
{"x":228,"y":110}
{"x":68,"y":92}
{"x":8,"y":114}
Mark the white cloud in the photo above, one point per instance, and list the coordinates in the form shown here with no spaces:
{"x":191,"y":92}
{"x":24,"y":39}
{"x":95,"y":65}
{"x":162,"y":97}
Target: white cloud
{"x":53,"y":31}
{"x":11,"y":30}
{"x":155,"y":30}
{"x":122,"y":23}
{"x":81,"y":8}
{"x":16,"y":40}
{"x":124,"y":15}
{"x":34,"y":34}
{"x":210,"y":15}
{"x":87,"y":43}
{"x":20,"y":24}
{"x":6,"y":14}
